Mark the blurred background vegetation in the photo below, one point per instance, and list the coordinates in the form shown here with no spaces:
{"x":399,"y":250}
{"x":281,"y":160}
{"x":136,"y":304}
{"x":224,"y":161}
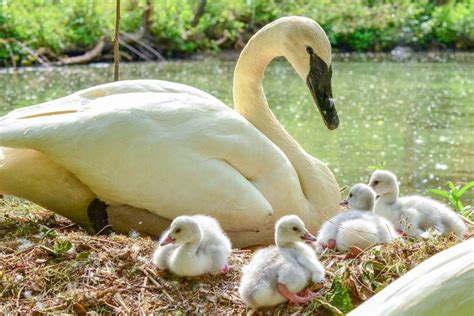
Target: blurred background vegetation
{"x":53,"y":31}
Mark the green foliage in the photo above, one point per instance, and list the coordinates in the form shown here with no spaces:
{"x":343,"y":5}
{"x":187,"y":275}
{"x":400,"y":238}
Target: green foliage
{"x":454,"y":195}
{"x":83,"y":256}
{"x":454,"y":24}
{"x":378,"y":166}
{"x":338,"y":296}
{"x":68,"y":26}
{"x":47,"y":232}
{"x":62,"y":246}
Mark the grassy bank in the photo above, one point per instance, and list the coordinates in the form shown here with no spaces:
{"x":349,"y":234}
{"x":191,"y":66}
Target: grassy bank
{"x":41,"y":31}
{"x":49,"y":265}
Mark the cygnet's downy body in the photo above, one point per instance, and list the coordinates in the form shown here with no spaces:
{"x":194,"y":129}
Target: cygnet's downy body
{"x":192,"y":246}
{"x":281,"y":273}
{"x":413,"y":215}
{"x":356,"y":227}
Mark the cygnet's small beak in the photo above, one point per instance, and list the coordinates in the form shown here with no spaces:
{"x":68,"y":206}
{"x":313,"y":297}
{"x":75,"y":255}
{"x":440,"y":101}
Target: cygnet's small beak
{"x":167,"y":240}
{"x":344,"y":203}
{"x":308,"y":236}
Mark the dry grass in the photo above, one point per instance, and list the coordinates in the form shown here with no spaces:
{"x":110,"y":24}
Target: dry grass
{"x":113,"y":274}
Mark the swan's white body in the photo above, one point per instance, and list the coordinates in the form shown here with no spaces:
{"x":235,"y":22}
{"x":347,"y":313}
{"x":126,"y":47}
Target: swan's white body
{"x":414,"y":215}
{"x":442,"y":285}
{"x":205,"y":251}
{"x":171,"y":149}
{"x":364,"y":232}
{"x":358,"y":226}
{"x":290,"y":262}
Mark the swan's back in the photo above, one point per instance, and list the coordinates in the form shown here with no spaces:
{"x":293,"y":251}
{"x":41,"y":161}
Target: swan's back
{"x":432,"y":213}
{"x":80,"y":100}
{"x":214,"y":239}
{"x":359,"y":232}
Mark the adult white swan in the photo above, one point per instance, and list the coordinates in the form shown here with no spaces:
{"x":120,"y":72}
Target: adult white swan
{"x":172,"y":149}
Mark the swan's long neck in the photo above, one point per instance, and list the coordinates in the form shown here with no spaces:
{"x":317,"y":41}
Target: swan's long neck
{"x":250,"y":101}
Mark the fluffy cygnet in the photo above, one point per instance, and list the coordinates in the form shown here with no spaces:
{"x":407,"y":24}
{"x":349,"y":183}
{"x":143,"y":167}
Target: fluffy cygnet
{"x":193,"y":245}
{"x":281,"y":273}
{"x":413,"y":215}
{"x":356,"y":227}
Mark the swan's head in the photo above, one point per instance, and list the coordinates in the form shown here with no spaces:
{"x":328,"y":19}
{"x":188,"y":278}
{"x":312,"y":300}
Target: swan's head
{"x":306,"y":46}
{"x":361,"y":197}
{"x":184,"y":229}
{"x":383,"y":182}
{"x":290,"y":229}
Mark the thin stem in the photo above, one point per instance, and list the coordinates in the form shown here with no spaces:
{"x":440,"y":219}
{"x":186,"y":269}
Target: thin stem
{"x":116,"y":41}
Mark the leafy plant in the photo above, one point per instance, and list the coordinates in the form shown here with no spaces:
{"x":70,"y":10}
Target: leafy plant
{"x":378,"y":166}
{"x":454,"y":196}
{"x":72,"y":26}
{"x":47,"y":232}
{"x":339,"y":297}
{"x":62,"y":246}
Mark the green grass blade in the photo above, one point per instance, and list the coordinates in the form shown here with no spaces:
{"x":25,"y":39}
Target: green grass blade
{"x":452,"y":186}
{"x":465,"y":188}
{"x":441,"y":193}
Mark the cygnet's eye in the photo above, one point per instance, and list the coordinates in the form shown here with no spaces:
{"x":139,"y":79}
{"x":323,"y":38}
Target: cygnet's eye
{"x":309,"y":49}
{"x":350,"y":195}
{"x":295,"y":228}
{"x":177,"y":231}
{"x":376,"y":182}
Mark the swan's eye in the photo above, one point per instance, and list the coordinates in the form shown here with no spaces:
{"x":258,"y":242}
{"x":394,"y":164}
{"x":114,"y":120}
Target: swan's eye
{"x":350,"y":195}
{"x":295,"y":229}
{"x":376,"y":182}
{"x":309,"y":50}
{"x":178,"y":231}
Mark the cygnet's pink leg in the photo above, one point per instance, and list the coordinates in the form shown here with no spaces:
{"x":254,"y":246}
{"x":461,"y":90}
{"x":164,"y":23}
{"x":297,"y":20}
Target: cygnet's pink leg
{"x":307,"y":292}
{"x":331,"y":243}
{"x":401,"y":233}
{"x":294,"y":298}
{"x":225,"y":269}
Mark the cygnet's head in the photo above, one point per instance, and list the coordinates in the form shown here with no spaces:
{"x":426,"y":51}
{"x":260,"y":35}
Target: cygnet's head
{"x":290,"y":229}
{"x":384,"y":182}
{"x":184,"y":229}
{"x":306,"y":46}
{"x":361,"y":197}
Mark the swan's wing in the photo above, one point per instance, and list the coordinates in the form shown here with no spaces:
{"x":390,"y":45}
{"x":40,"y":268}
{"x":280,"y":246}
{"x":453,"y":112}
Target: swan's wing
{"x":441,"y":285}
{"x":169,"y":153}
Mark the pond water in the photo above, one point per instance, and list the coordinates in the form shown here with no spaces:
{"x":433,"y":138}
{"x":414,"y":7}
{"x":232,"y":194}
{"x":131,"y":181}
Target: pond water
{"x":416,"y":118}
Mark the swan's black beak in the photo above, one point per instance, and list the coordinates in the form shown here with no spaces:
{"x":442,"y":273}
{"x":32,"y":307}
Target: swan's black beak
{"x":319,"y":83}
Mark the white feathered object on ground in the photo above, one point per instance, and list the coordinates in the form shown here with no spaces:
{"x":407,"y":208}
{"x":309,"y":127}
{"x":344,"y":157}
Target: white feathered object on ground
{"x":443,"y":285}
{"x":281,"y":273}
{"x":414,"y":215}
{"x":193,"y":245}
{"x":152,"y":150}
{"x":356,"y":227}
